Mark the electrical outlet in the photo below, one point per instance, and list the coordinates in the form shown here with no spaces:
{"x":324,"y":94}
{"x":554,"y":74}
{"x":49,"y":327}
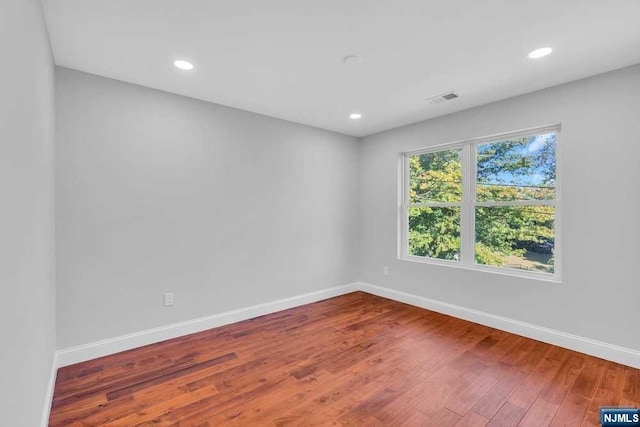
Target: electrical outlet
{"x":385,"y":271}
{"x":168,"y":299}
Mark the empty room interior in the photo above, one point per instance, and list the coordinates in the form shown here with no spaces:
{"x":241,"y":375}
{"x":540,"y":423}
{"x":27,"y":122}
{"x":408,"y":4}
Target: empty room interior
{"x":295,"y":213}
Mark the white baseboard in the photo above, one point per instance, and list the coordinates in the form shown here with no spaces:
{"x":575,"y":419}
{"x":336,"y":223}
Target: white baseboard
{"x":85,"y":352}
{"x":48,"y":397}
{"x":615,"y":353}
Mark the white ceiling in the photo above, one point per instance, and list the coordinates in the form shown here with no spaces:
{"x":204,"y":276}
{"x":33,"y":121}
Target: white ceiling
{"x":283,"y":58}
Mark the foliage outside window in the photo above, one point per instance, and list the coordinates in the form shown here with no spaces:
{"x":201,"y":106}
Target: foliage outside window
{"x":489,"y":204}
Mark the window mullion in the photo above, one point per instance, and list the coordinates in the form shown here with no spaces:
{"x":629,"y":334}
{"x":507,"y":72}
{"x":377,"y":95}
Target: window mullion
{"x":499,"y":203}
{"x":436,"y":205}
{"x":473,"y":165}
{"x":466,"y":219}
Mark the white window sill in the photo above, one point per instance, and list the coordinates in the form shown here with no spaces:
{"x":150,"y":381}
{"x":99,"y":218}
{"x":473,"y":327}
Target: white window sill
{"x":523,"y":274}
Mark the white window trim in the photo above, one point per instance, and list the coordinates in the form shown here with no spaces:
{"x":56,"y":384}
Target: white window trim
{"x":468,"y":205}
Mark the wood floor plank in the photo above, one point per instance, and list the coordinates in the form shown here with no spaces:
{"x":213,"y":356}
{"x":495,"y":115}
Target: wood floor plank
{"x":464,"y":401}
{"x":472,"y":419}
{"x":282,"y":408}
{"x":165,"y":376}
{"x":589,"y":377}
{"x":444,"y":390}
{"x":608,"y":393}
{"x":415,"y":418}
{"x":539,"y":414}
{"x":572,"y":411}
{"x":407,"y":401}
{"x":543,"y":374}
{"x":508,"y":415}
{"x":443,"y":417}
{"x":354,"y":360}
{"x":489,"y":404}
{"x":340,"y":400}
{"x":377,"y":403}
{"x":558,"y":388}
{"x":631,"y":389}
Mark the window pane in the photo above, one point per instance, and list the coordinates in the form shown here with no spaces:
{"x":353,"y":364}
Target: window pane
{"x":517,"y":169}
{"x":435,"y":232}
{"x":435,"y":177}
{"x":519,"y":237}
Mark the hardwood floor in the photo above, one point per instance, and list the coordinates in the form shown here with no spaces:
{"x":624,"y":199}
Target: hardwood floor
{"x":357,"y":359}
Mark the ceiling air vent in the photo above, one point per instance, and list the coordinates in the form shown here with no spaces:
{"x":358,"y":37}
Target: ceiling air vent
{"x":448,"y":96}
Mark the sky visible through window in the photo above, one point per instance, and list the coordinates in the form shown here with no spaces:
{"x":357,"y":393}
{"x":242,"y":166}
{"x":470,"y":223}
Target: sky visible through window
{"x":528,"y":148}
{"x":526,"y":165}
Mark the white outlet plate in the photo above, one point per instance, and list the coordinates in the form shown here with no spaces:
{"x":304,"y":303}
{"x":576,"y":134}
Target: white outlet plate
{"x":168,"y":299}
{"x":385,"y":271}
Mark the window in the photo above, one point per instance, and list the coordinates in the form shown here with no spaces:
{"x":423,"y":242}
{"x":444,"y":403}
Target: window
{"x":488,"y":204}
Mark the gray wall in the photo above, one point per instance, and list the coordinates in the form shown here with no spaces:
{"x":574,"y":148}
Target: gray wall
{"x":160,"y":193}
{"x":27,"y":292}
{"x":600,"y":167}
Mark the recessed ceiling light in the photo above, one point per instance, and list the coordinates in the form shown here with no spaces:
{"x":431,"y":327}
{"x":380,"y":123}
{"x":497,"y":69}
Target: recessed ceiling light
{"x":355,"y":116}
{"x":183,"y":65}
{"x":539,"y":53}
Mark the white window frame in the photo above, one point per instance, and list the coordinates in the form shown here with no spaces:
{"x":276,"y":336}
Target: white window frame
{"x":467,"y":206}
